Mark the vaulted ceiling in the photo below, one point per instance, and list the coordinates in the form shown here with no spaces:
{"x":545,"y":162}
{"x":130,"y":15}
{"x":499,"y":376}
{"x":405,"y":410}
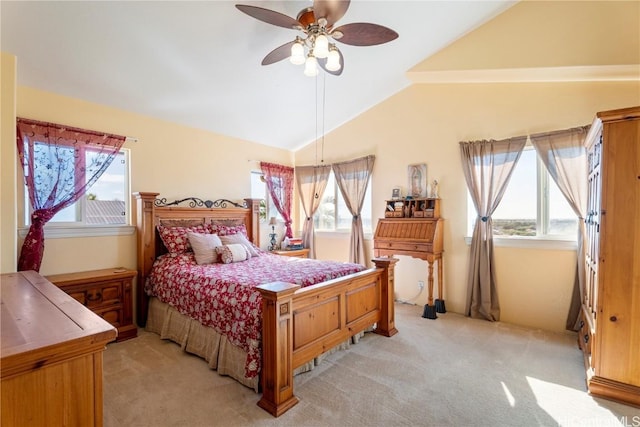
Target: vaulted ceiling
{"x":198,"y":63}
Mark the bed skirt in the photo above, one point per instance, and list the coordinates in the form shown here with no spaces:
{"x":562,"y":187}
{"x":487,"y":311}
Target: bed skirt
{"x":221,"y":355}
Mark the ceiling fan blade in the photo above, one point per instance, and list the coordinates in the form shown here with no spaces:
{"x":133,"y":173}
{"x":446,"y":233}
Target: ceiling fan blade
{"x":331,"y":10}
{"x":269,"y":16}
{"x":322,"y":62}
{"x":364,"y":34}
{"x":278,"y":54}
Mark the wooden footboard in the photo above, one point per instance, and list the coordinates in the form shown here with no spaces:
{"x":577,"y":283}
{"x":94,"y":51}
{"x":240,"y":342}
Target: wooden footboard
{"x":299,"y":324}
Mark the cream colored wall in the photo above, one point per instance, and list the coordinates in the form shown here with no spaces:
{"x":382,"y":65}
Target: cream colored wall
{"x":168,"y":158}
{"x":548,"y":34}
{"x":424,"y":123}
{"x":8,"y":153}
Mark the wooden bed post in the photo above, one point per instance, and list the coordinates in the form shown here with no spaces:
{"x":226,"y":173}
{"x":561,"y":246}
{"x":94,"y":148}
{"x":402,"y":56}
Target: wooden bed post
{"x":146,"y":242}
{"x":254,"y":228}
{"x":277,"y":347}
{"x":387,"y":324}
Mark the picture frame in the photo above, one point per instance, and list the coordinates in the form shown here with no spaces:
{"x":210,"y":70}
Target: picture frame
{"x":417,"y":180}
{"x":395,"y":194}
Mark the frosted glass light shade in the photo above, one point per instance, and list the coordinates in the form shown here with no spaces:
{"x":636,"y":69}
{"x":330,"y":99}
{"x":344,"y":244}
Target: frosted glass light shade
{"x":297,"y":54}
{"x":321,"y":46}
{"x":311,"y":66}
{"x":333,"y":61}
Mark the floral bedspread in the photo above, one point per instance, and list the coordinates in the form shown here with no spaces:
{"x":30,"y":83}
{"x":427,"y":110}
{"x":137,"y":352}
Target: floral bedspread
{"x":223,"y":296}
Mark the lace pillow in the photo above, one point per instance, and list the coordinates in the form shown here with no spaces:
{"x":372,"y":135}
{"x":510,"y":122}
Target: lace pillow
{"x":234,"y":252}
{"x":204,"y":247}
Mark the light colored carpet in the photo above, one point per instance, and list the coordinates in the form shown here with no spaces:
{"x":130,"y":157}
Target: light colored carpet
{"x":453,"y":371}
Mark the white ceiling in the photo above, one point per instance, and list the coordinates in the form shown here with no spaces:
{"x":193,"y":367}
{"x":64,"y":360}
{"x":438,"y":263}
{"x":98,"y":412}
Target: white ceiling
{"x":198,"y":63}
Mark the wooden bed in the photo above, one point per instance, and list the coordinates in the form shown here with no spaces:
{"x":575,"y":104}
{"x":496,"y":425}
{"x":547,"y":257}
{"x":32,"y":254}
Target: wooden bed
{"x":298,"y":324}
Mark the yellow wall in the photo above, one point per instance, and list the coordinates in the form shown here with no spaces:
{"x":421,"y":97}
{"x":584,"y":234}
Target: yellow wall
{"x":425,"y":122}
{"x":171,"y":159}
{"x":8,"y":162}
{"x":548,"y":34}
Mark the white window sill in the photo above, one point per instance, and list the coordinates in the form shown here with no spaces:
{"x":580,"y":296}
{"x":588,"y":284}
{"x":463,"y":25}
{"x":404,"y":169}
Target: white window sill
{"x":532,"y":243}
{"x":62,"y":232}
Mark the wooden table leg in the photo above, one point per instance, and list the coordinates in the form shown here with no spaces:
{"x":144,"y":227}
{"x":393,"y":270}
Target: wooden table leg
{"x":430,"y":282}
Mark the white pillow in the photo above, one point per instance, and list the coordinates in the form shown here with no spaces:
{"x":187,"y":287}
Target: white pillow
{"x":234,"y":252}
{"x":241,"y":239}
{"x":204,"y":247}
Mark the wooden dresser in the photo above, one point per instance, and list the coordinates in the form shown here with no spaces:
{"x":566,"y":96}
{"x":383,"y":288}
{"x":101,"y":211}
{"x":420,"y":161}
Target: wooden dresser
{"x":609,"y":333}
{"x":51,"y":350}
{"x":413,"y":227}
{"x":297,"y":253}
{"x":105,"y":292}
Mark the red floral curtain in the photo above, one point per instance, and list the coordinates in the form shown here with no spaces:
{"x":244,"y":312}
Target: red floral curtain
{"x":279,"y":180}
{"x":60,"y":163}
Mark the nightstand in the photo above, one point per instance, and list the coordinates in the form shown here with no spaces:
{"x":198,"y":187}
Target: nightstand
{"x":105,"y":292}
{"x":299,"y":253}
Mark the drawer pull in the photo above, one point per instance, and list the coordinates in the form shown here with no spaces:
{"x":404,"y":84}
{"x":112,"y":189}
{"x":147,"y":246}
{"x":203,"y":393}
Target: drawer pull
{"x":97,"y":297}
{"x":613,"y":318}
{"x":581,"y":324}
{"x":586,"y":338}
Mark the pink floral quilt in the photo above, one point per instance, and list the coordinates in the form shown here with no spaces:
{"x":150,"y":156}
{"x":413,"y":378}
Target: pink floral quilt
{"x":223,"y":296}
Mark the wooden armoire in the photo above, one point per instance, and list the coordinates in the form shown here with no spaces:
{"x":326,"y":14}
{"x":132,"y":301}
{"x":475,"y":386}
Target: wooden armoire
{"x":609,"y":333}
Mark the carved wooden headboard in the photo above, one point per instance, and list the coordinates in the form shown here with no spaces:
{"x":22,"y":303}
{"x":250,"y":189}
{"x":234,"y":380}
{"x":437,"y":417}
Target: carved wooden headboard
{"x":151,"y":212}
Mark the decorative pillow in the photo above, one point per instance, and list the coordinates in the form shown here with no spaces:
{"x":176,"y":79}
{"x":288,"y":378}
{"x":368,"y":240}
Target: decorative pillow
{"x":227,"y":230}
{"x":234,"y":252}
{"x":204,"y":247}
{"x":175,"y":238}
{"x":241,"y":239}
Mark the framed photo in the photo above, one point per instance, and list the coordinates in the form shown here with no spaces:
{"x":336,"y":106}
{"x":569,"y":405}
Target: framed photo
{"x":417,"y":175}
{"x":395,"y":193}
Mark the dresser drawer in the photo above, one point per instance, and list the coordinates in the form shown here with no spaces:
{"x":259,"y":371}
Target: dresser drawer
{"x":98,"y":295}
{"x":404,"y":246}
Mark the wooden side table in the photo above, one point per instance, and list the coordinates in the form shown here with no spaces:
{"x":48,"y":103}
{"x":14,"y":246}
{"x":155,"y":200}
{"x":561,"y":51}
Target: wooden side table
{"x":105,"y":292}
{"x":298,"y":253}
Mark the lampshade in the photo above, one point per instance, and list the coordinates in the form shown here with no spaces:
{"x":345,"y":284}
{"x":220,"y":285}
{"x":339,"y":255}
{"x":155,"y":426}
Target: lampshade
{"x":297,"y":53}
{"x":272,"y":221}
{"x":333,"y":60}
{"x":321,"y":46}
{"x":310,"y":66}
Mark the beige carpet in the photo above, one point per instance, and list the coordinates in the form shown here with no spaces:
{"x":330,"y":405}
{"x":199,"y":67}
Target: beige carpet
{"x":453,"y":371}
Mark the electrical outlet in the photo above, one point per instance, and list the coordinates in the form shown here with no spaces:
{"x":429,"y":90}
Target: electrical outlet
{"x":420,"y":284}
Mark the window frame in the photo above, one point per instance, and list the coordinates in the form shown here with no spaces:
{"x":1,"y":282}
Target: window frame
{"x":340,"y":200}
{"x":80,"y":228}
{"x":543,"y":239}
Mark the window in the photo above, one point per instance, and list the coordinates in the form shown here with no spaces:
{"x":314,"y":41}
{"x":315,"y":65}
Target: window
{"x":333,"y":215}
{"x":106,"y":202}
{"x":532,"y":205}
{"x":259,"y":190}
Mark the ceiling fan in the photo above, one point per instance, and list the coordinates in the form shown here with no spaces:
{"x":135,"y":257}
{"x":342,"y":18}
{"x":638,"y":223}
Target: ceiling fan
{"x":317,"y":23}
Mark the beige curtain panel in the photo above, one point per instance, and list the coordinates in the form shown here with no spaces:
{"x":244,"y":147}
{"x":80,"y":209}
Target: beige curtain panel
{"x":564,"y":155}
{"x":352,"y":178}
{"x":487,"y":167}
{"x":311,"y":182}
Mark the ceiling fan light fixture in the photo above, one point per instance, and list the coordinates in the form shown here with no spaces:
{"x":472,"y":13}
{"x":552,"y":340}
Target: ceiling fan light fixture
{"x":297,"y":53}
{"x":321,"y":46}
{"x":311,"y":66}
